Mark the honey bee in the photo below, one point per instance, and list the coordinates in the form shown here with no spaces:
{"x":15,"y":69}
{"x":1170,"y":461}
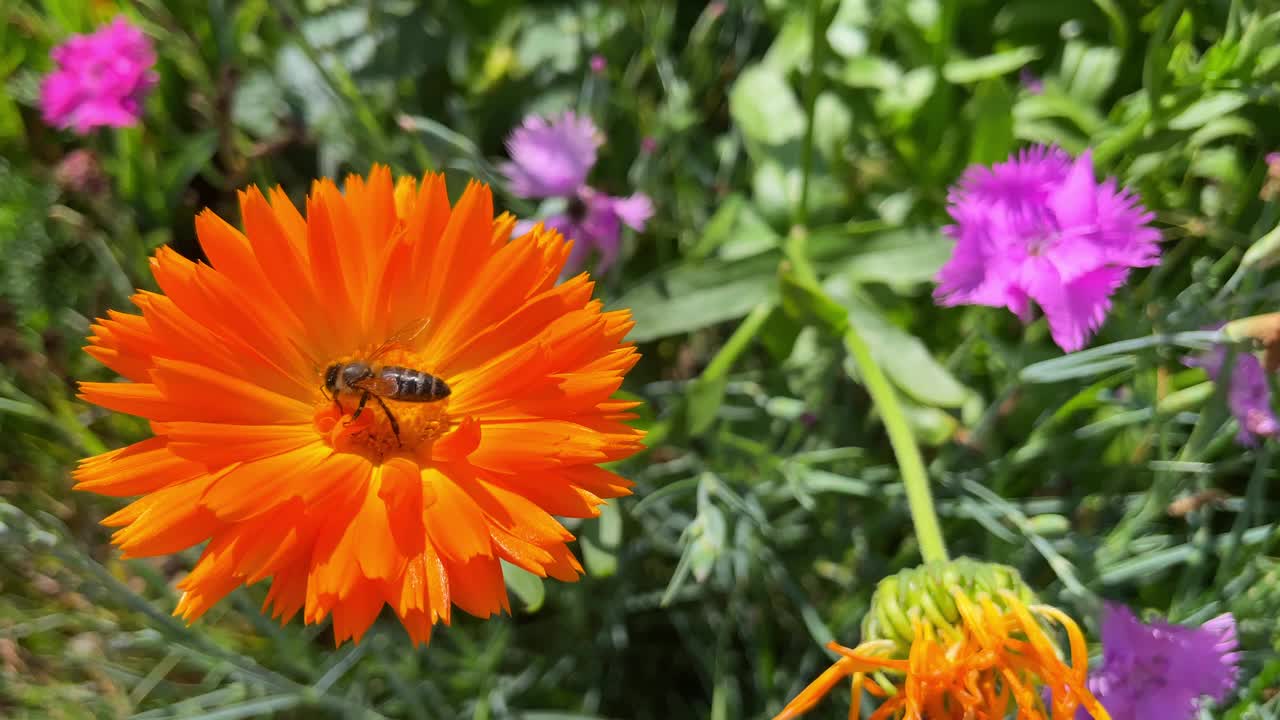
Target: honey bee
{"x":368,"y":379}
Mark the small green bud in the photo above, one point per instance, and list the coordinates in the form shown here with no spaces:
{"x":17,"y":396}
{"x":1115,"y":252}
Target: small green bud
{"x":925,"y":592}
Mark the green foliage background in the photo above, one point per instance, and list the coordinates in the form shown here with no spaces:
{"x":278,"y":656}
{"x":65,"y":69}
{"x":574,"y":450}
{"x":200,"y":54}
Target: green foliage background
{"x":769,"y":502}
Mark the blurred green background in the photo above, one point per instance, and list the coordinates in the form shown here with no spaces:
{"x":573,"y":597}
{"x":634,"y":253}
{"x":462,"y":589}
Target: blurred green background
{"x":767,"y":506}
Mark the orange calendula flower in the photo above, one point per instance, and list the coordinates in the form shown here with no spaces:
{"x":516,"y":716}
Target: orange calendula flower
{"x":372,"y":403}
{"x":960,"y":641}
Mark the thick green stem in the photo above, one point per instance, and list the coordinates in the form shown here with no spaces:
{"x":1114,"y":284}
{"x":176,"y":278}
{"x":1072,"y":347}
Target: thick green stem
{"x":910,"y":463}
{"x":923,"y":515}
{"x":914,"y":477}
{"x":738,"y":342}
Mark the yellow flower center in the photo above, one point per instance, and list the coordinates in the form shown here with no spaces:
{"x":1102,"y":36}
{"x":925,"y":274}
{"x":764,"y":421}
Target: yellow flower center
{"x":370,"y":430}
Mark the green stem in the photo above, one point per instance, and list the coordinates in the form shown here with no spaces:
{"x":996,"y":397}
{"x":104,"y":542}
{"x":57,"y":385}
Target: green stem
{"x":796,"y":247}
{"x":910,"y":463}
{"x":914,"y":477}
{"x":738,"y":342}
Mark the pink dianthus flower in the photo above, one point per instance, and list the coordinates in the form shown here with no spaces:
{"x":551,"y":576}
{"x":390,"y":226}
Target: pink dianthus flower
{"x":101,"y":79}
{"x":1040,"y":228}
{"x":551,"y":159}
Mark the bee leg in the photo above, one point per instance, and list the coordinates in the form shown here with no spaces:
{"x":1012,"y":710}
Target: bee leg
{"x":359,"y":408}
{"x":334,"y":397}
{"x":395,"y":426}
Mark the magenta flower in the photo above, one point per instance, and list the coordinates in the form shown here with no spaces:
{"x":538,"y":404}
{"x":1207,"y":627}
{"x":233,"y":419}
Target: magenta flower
{"x":1040,"y":228}
{"x":1030,"y":81}
{"x":1160,"y":670}
{"x":599,"y":64}
{"x":100,"y":80}
{"x":1249,"y":394}
{"x":553,"y":160}
{"x":595,"y":220}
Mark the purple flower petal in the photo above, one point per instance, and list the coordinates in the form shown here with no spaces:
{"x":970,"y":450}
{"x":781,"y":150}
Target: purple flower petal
{"x":634,"y":211}
{"x":1161,"y":670}
{"x":1039,"y":226}
{"x":551,"y":159}
{"x":1248,"y":397}
{"x":1076,"y":308}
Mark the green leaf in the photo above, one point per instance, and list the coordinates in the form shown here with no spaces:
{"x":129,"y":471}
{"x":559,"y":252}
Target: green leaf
{"x":11,"y":126}
{"x":931,"y":426}
{"x":545,"y":44}
{"x":1053,"y":105}
{"x":900,"y":258}
{"x":610,"y":525}
{"x":792,"y":45}
{"x":599,"y":562}
{"x":904,"y":358}
{"x":193,"y":156}
{"x":871,"y":71}
{"x":847,"y":33}
{"x":1219,"y":128}
{"x":704,"y":397}
{"x":777,"y":183}
{"x":691,"y":296}
{"x":1088,"y":72}
{"x":525,"y":585}
{"x":260,"y":707}
{"x":992,"y":108}
{"x":1209,"y":108}
{"x":904,"y":98}
{"x":736,"y":230}
{"x":1112,"y":357}
{"x":258,"y":106}
{"x":765,"y":108}
{"x":988,"y":66}
{"x":1264,"y":251}
{"x":832,"y":124}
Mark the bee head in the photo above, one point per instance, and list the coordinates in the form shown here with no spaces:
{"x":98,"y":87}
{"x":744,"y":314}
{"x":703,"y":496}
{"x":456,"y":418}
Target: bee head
{"x":331,"y":378}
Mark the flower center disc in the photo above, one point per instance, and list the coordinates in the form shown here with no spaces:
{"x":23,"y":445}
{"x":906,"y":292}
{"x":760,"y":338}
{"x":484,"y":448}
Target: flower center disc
{"x":372,"y":433}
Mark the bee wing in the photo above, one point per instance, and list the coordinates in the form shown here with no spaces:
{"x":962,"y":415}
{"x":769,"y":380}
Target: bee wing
{"x":378,"y":385}
{"x":402,"y":337}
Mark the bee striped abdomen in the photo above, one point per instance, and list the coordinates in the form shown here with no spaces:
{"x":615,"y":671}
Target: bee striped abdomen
{"x":409,"y":385}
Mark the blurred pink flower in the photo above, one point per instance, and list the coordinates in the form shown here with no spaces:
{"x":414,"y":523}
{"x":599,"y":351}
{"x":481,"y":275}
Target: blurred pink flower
{"x":648,"y":145}
{"x":80,"y":172}
{"x":1161,"y":670}
{"x":553,"y":160}
{"x":1248,"y":396}
{"x":594,"y":221}
{"x":1271,"y":187}
{"x":100,"y":80}
{"x":1039,"y":227}
{"x":598,"y":64}
{"x":1030,"y":81}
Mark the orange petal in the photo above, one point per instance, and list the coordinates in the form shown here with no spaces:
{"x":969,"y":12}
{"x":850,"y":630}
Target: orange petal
{"x":454,"y":522}
{"x":219,"y":444}
{"x":252,"y":488}
{"x":143,"y":467}
{"x":477,"y":586}
{"x":401,"y":493}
